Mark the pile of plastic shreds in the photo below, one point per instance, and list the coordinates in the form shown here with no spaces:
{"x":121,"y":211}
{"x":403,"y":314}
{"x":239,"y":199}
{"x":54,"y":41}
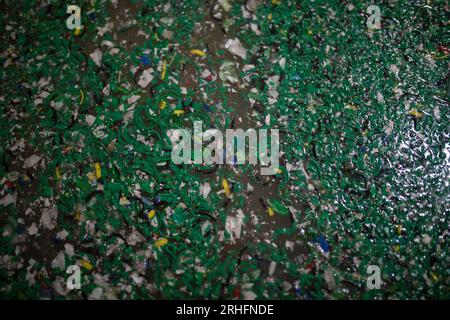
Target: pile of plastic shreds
{"x":87,"y":178}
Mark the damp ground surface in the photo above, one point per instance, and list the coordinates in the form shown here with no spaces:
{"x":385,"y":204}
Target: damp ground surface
{"x":87,"y":177}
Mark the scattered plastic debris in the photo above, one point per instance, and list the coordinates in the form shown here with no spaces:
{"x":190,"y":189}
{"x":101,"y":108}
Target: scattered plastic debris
{"x":87,"y":178}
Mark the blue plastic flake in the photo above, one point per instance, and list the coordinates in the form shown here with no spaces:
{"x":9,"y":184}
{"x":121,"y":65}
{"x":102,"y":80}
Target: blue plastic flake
{"x":20,"y":228}
{"x":145,"y":60}
{"x":322,"y":243}
{"x":207,"y":108}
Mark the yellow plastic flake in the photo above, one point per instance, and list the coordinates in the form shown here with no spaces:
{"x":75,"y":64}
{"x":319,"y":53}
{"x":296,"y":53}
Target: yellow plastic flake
{"x":162,"y":104}
{"x":86,"y":264}
{"x":276,"y":2}
{"x":269,"y":17}
{"x":397,"y":248}
{"x":416,"y":114}
{"x":58,"y":175}
{"x":270,"y":211}
{"x":163,"y":73}
{"x":434,"y":276}
{"x":161,"y":242}
{"x":178,"y":112}
{"x":77,"y":215}
{"x":77,"y":31}
{"x":98,"y":170}
{"x":399,"y":229}
{"x":197,"y":52}
{"x":365,"y":156}
{"x":81,"y":96}
{"x":226,"y":187}
{"x":151,"y":214}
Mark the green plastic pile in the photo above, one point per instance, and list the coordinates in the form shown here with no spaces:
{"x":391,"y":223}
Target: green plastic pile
{"x":87,"y":177}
